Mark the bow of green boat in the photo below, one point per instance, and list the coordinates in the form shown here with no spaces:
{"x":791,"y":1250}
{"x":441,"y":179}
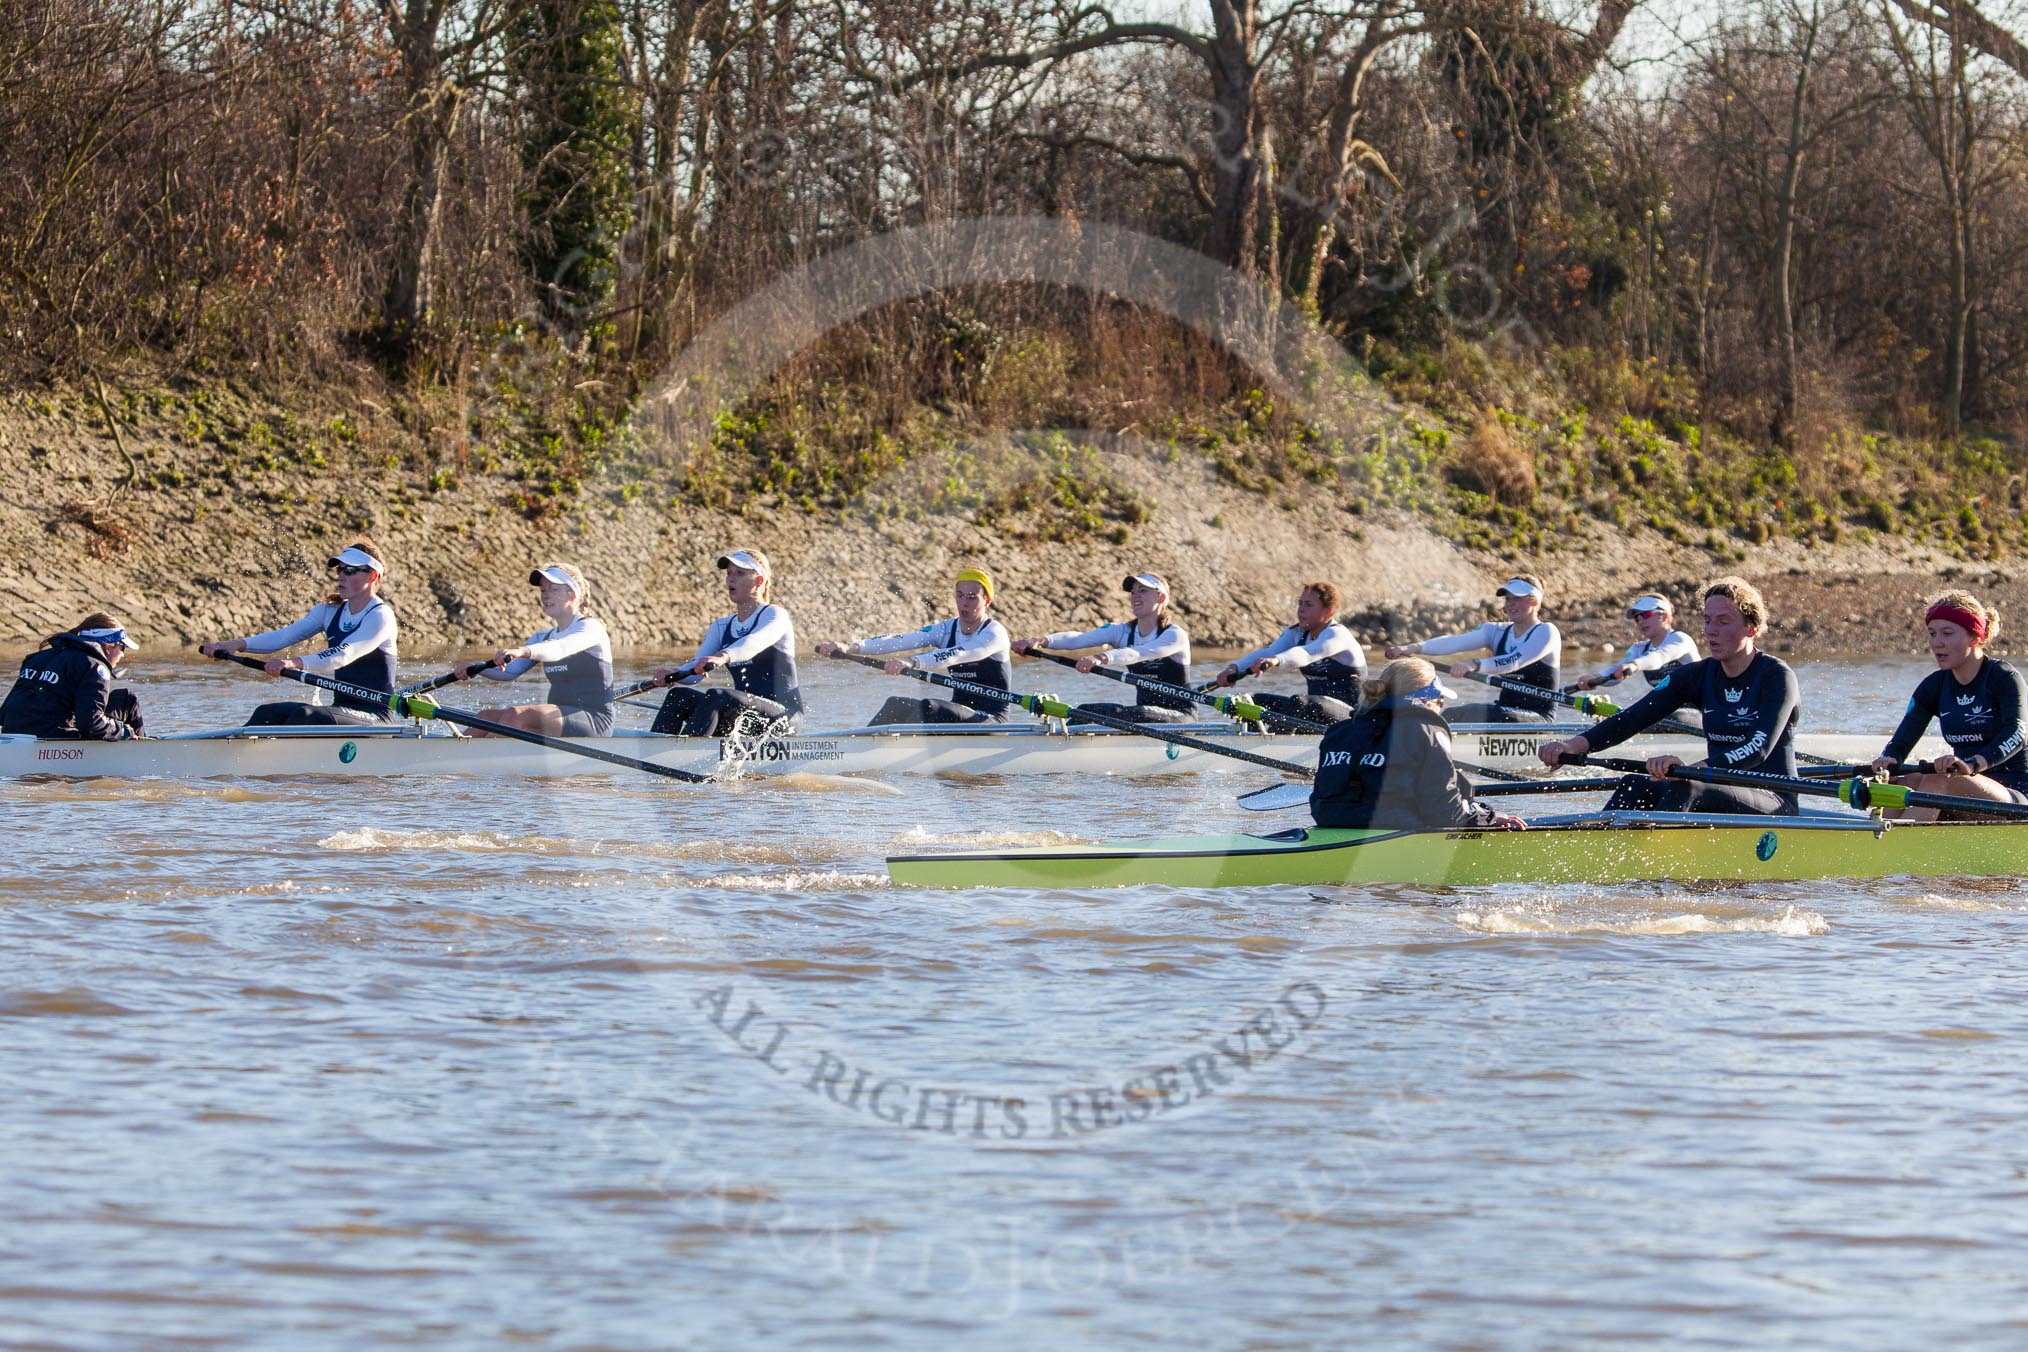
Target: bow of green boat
{"x":1579,"y":848}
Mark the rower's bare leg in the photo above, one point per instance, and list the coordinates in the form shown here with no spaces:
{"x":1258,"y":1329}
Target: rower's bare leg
{"x":546,"y":719}
{"x":1977,"y":788}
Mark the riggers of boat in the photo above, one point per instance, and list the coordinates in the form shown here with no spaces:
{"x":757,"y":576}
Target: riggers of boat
{"x":1018,"y":749}
{"x":1584,"y":848}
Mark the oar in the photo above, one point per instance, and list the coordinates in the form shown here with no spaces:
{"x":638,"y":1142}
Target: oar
{"x":1231,"y":705}
{"x":450,"y":677}
{"x":1857,"y":791}
{"x":1044,"y":706}
{"x":415,"y":706}
{"x":1594,"y":706}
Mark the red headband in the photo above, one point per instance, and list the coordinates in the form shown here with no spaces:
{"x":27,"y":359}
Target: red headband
{"x":1959,"y":616}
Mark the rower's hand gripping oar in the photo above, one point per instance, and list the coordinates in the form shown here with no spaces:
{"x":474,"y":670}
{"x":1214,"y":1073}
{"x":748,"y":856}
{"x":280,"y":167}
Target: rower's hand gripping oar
{"x":1231,"y":705}
{"x":416,"y":706}
{"x":1045,"y":706}
{"x":1859,"y":791}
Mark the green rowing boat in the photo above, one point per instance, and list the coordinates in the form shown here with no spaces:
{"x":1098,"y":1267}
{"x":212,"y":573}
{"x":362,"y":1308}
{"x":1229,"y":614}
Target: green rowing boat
{"x":1616,"y":847}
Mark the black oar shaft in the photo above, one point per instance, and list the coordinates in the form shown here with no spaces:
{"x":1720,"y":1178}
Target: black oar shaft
{"x":1857,"y":791}
{"x":1055,"y":708}
{"x":1225,"y":704}
{"x":414,"y":706}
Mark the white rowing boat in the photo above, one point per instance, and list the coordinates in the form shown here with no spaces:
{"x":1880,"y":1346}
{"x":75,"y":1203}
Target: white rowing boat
{"x":1019,"y":749}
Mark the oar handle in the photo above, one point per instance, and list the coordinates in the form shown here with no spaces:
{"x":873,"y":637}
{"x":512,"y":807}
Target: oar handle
{"x":1048,"y":706}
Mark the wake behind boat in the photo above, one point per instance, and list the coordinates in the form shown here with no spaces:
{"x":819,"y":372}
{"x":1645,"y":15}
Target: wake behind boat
{"x":1022,"y":749}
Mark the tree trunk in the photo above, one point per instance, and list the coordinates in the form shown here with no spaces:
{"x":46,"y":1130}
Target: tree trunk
{"x":429,"y":115}
{"x":1235,"y":116}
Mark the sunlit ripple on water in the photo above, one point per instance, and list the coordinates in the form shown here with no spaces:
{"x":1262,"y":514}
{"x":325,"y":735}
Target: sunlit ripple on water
{"x":474,"y":1063}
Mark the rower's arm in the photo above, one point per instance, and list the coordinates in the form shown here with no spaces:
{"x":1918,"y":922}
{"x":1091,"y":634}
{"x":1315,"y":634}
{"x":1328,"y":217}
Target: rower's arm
{"x":582,"y":633}
{"x":289,"y":635}
{"x":1443,"y":645}
{"x":893,"y":645}
{"x":1068,"y":642}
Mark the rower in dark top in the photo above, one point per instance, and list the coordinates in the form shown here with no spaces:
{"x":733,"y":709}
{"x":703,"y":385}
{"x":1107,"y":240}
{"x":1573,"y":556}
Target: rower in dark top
{"x":1150,"y":645}
{"x":971,"y":646}
{"x":576,"y":655}
{"x":65,"y":689}
{"x":359,"y":634}
{"x":1331,"y":660}
{"x":1749,"y":701}
{"x":1524,"y":647}
{"x":1978,"y":704}
{"x":757,"y":646}
{"x":1389,"y":765}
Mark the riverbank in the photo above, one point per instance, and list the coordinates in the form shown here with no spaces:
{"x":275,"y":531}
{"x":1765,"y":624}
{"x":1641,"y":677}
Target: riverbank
{"x":210,"y":511}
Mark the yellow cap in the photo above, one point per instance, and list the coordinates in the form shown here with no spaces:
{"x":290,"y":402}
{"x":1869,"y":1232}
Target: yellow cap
{"x":980,"y":576}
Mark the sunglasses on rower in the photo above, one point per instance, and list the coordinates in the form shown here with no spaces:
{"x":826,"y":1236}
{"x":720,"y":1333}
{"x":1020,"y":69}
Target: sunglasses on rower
{"x":348,"y":570}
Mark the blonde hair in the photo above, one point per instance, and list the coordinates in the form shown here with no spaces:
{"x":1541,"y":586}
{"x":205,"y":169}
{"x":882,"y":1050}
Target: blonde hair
{"x":1752,"y":605}
{"x":1398,"y":677}
{"x":1964,"y":600}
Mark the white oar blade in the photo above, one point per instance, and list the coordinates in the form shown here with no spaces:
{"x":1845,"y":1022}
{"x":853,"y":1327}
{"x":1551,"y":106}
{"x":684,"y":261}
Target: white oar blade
{"x":1276,"y":798}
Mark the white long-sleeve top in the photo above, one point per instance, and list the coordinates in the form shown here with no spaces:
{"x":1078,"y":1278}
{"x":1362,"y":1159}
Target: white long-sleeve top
{"x":583,"y":634}
{"x":1334,"y":641}
{"x":950,"y":645}
{"x":367,"y":631}
{"x":1511,"y":651}
{"x":743,"y":640}
{"x":1676,"y":646}
{"x":1128,"y":644}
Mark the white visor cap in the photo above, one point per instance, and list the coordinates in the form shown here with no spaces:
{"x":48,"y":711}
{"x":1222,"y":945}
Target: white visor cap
{"x":1518,"y":586}
{"x":750,"y":559}
{"x":1646,"y":602}
{"x":354,"y":557}
{"x":560,"y":575}
{"x":1152,"y":581}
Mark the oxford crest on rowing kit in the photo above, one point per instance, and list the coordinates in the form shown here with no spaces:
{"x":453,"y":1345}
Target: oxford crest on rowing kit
{"x":1965,"y":699}
{"x":1734,"y":696}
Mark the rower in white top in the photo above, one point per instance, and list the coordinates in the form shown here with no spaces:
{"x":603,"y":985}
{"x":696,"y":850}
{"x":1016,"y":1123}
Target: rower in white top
{"x":359,"y":636}
{"x":971,"y":646}
{"x":1524,"y":648}
{"x":1150,"y":645}
{"x":756,"y":644}
{"x":1330,"y":659}
{"x":1660,"y":649}
{"x":576,"y":655}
